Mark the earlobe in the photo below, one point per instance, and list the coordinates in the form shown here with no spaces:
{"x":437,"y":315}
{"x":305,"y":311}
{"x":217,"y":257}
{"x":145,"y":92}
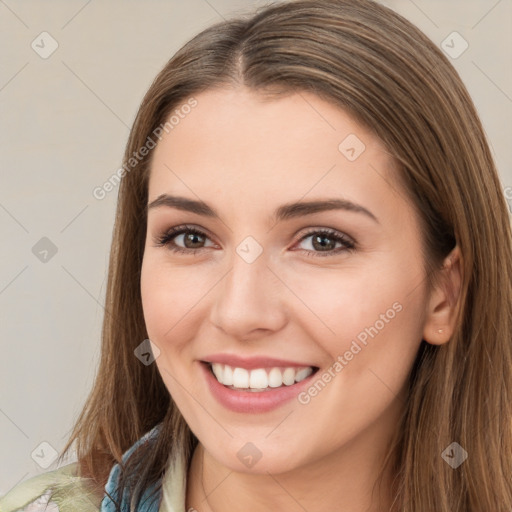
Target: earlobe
{"x":444,"y":302}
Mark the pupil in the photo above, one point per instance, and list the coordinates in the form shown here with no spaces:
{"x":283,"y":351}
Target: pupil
{"x":321,"y":244}
{"x":192,"y":237}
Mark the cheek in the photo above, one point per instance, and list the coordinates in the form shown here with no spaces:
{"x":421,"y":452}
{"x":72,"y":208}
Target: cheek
{"x":376,"y":318}
{"x":352,"y":309}
{"x":158,"y":301}
{"x":167,"y":295}
{"x":172,"y":298}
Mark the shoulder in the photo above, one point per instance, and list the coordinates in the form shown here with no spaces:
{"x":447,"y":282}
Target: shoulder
{"x":60,"y":490}
{"x":111,"y":496}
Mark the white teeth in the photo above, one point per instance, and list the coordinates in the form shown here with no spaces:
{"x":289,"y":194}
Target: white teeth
{"x":240,"y":378}
{"x":302,"y":374}
{"x":259,"y":379}
{"x":275,"y":378}
{"x":217,"y":370}
{"x":228,"y":376}
{"x":289,"y":376}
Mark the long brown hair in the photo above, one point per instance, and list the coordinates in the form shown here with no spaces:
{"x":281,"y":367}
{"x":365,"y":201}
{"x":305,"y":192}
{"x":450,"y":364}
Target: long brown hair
{"x":390,"y":77}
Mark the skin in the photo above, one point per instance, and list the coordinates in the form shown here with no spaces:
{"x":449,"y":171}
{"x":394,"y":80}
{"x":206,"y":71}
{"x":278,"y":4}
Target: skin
{"x":245,"y":156}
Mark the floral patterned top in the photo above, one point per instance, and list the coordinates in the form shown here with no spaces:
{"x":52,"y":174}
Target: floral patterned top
{"x":62,"y":490}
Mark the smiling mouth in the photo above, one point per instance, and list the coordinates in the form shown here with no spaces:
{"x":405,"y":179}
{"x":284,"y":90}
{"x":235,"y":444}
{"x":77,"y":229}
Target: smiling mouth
{"x":259,"y":379}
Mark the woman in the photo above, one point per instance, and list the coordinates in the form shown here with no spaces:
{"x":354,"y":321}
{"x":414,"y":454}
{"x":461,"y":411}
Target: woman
{"x":312,"y":233}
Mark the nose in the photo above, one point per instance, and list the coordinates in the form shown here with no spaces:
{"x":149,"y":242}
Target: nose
{"x":249,"y":301}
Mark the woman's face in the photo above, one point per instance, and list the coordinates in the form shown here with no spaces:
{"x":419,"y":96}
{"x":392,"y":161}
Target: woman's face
{"x":318,"y":307}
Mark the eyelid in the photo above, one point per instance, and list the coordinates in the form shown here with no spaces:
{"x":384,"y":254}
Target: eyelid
{"x":348,"y":243}
{"x":171,"y":233}
{"x":328,"y":231}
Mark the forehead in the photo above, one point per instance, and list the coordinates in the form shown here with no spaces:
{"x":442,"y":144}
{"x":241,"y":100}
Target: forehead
{"x":236,"y":145}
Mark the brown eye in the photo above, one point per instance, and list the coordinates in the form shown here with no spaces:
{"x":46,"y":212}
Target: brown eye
{"x":183,"y":239}
{"x":187,"y":239}
{"x":192,"y":240}
{"x":327,"y":243}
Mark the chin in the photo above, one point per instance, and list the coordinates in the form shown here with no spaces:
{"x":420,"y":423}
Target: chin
{"x":258,"y":457}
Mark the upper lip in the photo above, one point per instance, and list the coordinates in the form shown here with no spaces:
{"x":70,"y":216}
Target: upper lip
{"x":250,"y":363}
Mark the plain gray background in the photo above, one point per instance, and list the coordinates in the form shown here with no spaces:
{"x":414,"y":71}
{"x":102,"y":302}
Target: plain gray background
{"x":64,"y":123}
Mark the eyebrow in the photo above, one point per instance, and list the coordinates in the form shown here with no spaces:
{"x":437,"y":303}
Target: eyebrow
{"x":283,"y":212}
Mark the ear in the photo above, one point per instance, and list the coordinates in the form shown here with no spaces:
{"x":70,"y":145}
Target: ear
{"x":444,"y":302}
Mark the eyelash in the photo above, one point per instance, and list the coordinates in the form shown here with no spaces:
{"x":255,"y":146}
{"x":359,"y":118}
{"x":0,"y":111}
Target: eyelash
{"x":165,"y":241}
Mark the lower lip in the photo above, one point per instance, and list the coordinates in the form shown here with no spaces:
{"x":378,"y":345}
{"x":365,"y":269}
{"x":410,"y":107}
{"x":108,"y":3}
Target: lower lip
{"x":252,"y":401}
